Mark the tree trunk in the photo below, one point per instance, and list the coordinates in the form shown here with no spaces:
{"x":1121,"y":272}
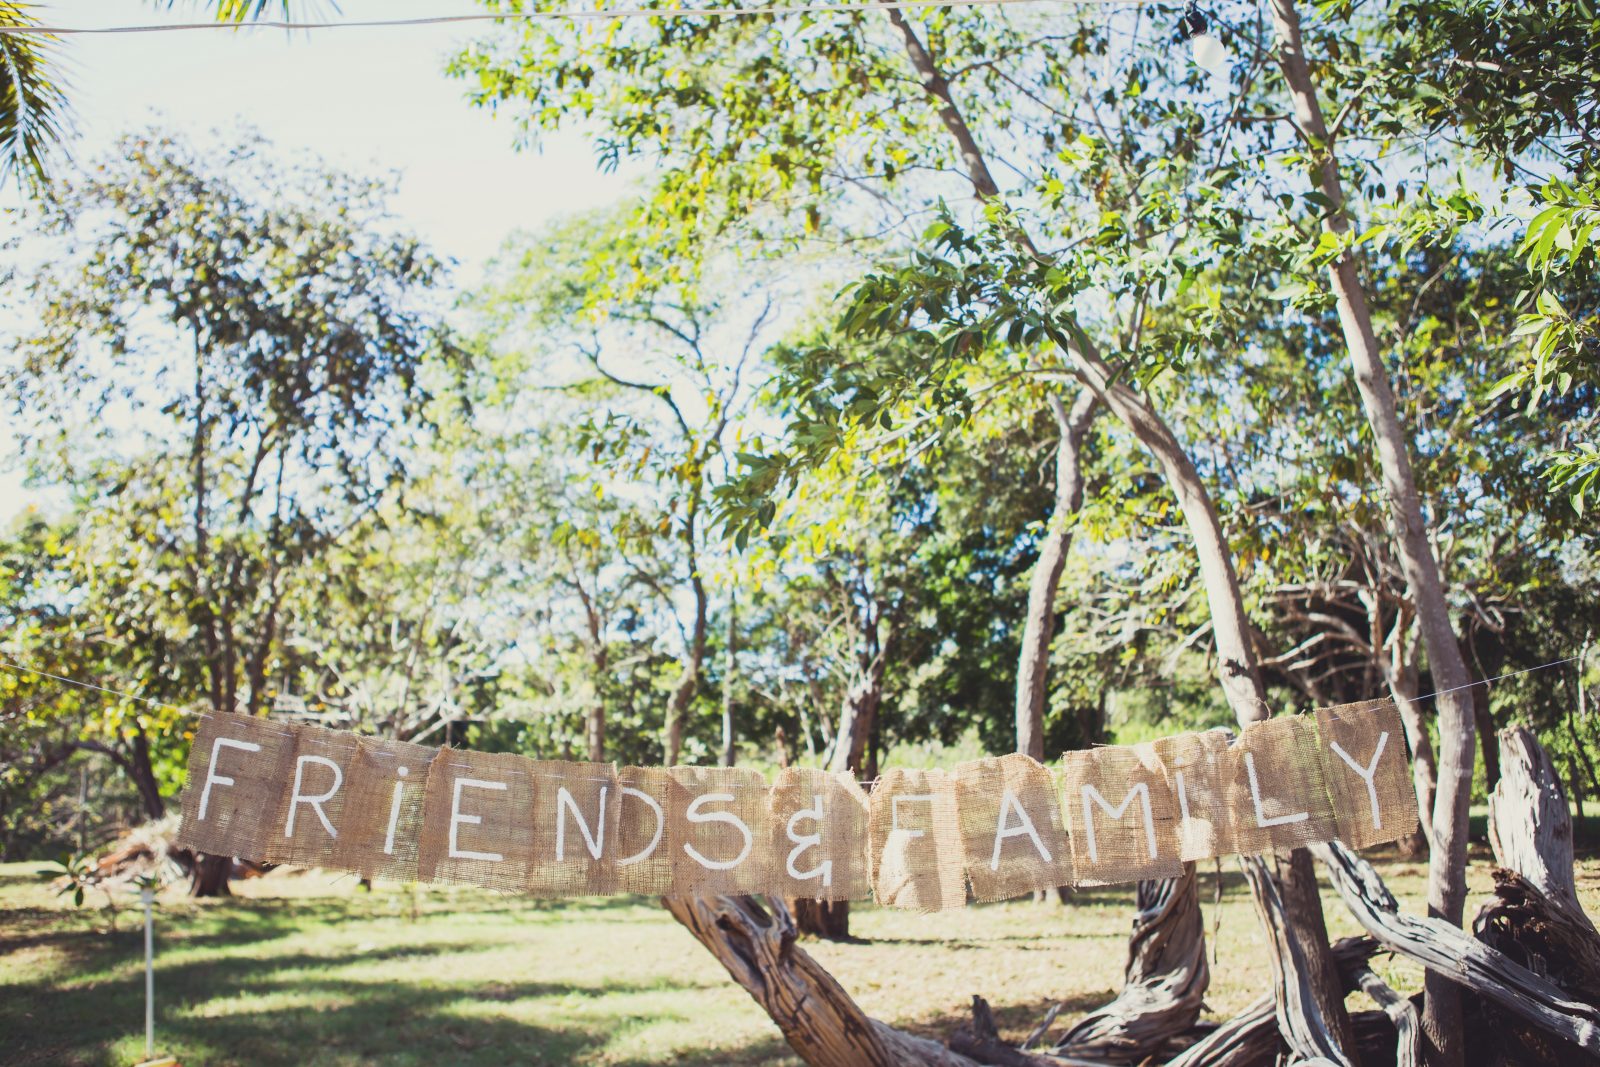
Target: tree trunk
{"x":730,"y":672}
{"x":1298,"y":1002}
{"x":831,"y":920}
{"x":1535,"y":915}
{"x":827,"y":919}
{"x":1424,"y":768}
{"x":1530,"y":825}
{"x":1447,"y":860}
{"x":824,"y":1026}
{"x":1483,"y":718}
{"x":1039,"y":624}
{"x":144,"y":776}
{"x":1450,"y":953}
{"x":210,"y":877}
{"x":1237,"y":670}
{"x":689,"y":677}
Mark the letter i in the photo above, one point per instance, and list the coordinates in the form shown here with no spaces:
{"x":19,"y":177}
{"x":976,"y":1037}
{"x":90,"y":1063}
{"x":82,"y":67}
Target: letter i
{"x":394,"y":812}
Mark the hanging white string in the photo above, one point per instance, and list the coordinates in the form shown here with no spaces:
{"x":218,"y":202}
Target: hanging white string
{"x":97,"y":688}
{"x":570,"y":14}
{"x":863,"y":781}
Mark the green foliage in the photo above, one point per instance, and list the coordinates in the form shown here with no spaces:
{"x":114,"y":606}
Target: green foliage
{"x":228,"y":361}
{"x":33,"y":103}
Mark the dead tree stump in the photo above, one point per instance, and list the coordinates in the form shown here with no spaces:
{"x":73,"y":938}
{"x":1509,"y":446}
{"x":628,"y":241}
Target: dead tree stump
{"x":1534,"y":917}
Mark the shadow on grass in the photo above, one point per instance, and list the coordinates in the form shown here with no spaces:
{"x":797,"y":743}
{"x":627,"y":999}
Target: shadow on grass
{"x":1015,"y":1019}
{"x":252,"y":1007}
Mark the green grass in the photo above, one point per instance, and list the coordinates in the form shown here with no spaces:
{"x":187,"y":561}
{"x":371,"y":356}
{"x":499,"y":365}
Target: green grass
{"x":304,"y":968}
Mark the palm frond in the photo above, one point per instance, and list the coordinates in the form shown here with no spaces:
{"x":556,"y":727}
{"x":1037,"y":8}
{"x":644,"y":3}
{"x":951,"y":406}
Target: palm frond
{"x":34,"y":116}
{"x":242,"y":11}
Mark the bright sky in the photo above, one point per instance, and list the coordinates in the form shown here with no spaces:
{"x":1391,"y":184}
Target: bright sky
{"x":369,"y":100}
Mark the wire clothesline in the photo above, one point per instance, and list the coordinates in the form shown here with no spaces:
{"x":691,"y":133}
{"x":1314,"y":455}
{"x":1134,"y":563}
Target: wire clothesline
{"x":7,"y":665}
{"x":569,"y":14}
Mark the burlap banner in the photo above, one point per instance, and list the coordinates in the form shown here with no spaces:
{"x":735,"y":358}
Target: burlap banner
{"x":924,"y":839}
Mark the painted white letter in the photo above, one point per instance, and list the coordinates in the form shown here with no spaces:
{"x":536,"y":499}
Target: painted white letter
{"x":212,"y":777}
{"x":1092,"y":795}
{"x":1255,"y":795}
{"x":661,"y":824}
{"x":594,"y":842}
{"x":1009,"y":803}
{"x":805,"y":841}
{"x":894,"y":813}
{"x":295,"y":799}
{"x":1367,"y":774}
{"x":394,"y":812}
{"x":693,"y":814}
{"x":456,"y":819}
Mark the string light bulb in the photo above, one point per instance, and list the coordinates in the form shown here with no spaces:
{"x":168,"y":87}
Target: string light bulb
{"x":1210,"y":54}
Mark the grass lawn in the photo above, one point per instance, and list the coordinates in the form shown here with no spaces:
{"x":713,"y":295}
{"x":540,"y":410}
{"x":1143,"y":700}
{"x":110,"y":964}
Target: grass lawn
{"x":305,"y":968}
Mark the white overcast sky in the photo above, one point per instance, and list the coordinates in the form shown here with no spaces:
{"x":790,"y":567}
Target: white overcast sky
{"x":370,"y":100}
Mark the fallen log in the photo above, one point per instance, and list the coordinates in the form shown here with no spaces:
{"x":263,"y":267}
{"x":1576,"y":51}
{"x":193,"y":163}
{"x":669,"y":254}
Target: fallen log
{"x":1452,"y":952}
{"x":821,"y":1022}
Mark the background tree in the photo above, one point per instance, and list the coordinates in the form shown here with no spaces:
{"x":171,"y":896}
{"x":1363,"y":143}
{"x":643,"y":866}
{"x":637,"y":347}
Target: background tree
{"x":217,"y":482}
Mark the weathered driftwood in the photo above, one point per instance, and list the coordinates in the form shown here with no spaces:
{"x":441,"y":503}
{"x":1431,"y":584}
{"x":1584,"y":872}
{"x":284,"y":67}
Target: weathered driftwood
{"x":1164,"y":982}
{"x":821,"y":1022}
{"x":1400,"y":1011}
{"x":1300,"y":1020}
{"x":1530,"y":825}
{"x":1534,"y":916}
{"x":1447,"y":950}
{"x":1248,"y":1039}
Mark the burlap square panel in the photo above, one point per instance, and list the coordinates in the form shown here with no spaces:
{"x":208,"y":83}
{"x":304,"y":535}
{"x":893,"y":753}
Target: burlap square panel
{"x":314,"y":798}
{"x":645,"y":845}
{"x":478,"y":820}
{"x":1122,"y":816}
{"x":915,"y":841}
{"x":1364,"y":762}
{"x":575,"y":809}
{"x":1011,"y":827}
{"x":819,"y":835}
{"x":1198,"y":769}
{"x":239,"y":770}
{"x":719,"y":816}
{"x":381,"y":827}
{"x":1277,"y":793}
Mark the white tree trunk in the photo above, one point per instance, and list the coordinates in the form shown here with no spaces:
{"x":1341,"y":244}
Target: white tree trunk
{"x":1447,"y":860}
{"x":1033,"y":667}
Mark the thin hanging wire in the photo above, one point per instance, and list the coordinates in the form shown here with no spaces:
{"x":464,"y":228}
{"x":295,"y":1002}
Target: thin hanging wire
{"x":569,"y":14}
{"x":866,"y":782}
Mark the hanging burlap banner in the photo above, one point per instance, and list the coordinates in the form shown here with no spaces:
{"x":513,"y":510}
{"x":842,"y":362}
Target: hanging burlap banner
{"x":478,"y":821}
{"x":575,"y":829}
{"x":1011,"y":827}
{"x":819,"y":823}
{"x":719,"y":814}
{"x":1364,"y":764}
{"x":1198,"y":768}
{"x":237,"y":769}
{"x":1122,"y":814}
{"x":644,"y":845}
{"x":1004,"y":826}
{"x":915,"y":841}
{"x":1277,"y":794}
{"x":382,"y":819}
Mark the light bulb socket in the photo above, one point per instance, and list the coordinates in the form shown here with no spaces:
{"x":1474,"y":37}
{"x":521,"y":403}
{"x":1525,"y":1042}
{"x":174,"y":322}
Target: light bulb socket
{"x":1192,"y":24}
